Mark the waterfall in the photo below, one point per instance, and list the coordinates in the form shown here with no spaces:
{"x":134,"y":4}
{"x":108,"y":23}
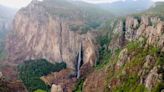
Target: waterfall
{"x":79,"y":62}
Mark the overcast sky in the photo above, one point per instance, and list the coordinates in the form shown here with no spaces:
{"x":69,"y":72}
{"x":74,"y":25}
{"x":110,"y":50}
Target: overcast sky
{"x":22,"y":3}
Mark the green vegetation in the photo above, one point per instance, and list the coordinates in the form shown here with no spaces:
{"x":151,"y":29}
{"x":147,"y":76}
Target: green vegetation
{"x":31,"y":71}
{"x":84,"y":29}
{"x":39,"y":90}
{"x":91,"y":15}
{"x":158,"y":87}
{"x":93,"y":24}
{"x":133,"y":46}
{"x":141,"y":88}
{"x":129,"y":80}
{"x":160,"y":58}
{"x":129,"y":85}
{"x":79,"y":86}
{"x":104,"y":40}
{"x":104,"y":53}
{"x":156,"y":10}
{"x":74,"y":27}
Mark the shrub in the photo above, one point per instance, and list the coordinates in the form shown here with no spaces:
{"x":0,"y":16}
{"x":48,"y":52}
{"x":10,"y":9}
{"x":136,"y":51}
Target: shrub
{"x":84,"y":29}
{"x":104,"y":53}
{"x":160,"y":58}
{"x":159,"y":87}
{"x":79,"y":86}
{"x":39,"y":90}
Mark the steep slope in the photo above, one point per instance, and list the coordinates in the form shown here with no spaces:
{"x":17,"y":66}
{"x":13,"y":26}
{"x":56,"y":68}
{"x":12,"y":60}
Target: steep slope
{"x":130,"y":49}
{"x":6,"y":17}
{"x":54,"y":30}
{"x":11,"y":86}
{"x":135,"y":66}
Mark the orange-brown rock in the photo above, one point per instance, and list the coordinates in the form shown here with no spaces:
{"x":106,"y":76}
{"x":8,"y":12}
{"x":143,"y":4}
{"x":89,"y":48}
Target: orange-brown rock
{"x":38,"y":33}
{"x":64,"y":79}
{"x":11,"y":86}
{"x":95,"y":82}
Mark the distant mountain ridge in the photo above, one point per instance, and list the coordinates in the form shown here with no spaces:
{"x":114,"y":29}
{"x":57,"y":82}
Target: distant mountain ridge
{"x":6,"y":16}
{"x":6,"y":13}
{"x":126,"y":7}
{"x":156,"y":10}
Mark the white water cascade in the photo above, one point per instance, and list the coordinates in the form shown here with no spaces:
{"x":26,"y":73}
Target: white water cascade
{"x":79,"y":62}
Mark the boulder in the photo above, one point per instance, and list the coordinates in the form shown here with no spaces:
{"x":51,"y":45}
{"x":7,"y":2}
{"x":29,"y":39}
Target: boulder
{"x":56,"y":88}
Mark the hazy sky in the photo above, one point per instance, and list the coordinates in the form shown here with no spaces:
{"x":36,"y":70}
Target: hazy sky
{"x":22,"y":3}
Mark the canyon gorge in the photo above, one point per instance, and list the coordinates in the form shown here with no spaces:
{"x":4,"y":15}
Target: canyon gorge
{"x":74,"y":46}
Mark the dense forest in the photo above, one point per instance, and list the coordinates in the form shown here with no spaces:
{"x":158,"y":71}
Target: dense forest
{"x":31,"y":71}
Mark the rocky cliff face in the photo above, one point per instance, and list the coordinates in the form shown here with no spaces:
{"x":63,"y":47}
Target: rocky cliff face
{"x":138,"y":65}
{"x":45,"y":29}
{"x":11,"y":86}
{"x":132,"y":29}
{"x":40,"y":34}
{"x":6,"y":18}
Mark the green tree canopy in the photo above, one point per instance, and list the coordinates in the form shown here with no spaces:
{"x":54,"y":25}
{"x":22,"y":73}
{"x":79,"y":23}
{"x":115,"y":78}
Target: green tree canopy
{"x":31,"y":71}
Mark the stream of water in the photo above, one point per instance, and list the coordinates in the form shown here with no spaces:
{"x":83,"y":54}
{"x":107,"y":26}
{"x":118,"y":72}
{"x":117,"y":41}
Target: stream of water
{"x":79,"y":62}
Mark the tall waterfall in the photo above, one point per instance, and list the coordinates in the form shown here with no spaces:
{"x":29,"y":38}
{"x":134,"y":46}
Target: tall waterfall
{"x":79,"y":62}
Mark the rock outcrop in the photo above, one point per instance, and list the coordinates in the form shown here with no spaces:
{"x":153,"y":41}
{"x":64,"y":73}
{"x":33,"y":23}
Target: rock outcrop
{"x":133,"y":28}
{"x":95,"y":82}
{"x":65,"y":80}
{"x":40,"y":34}
{"x":11,"y":86}
{"x":1,"y":75}
{"x":45,"y":30}
{"x":56,"y":88}
{"x":152,"y":79}
{"x":138,"y":65}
